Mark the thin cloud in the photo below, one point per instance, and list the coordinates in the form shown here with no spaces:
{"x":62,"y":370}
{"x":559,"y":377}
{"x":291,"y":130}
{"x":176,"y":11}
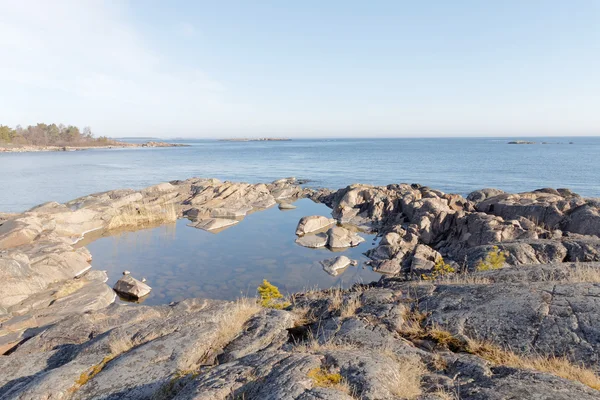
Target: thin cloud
{"x":89,"y":50}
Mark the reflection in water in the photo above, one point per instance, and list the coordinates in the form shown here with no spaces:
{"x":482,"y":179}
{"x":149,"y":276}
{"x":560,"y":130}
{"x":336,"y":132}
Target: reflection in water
{"x":180,"y":262}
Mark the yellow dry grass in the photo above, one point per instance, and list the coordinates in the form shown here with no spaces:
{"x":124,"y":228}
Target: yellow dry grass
{"x":413,"y":329}
{"x":336,"y":298}
{"x":404,"y":381}
{"x":463,"y":279}
{"x":312,"y":345}
{"x":350,"y":306}
{"x":581,"y":272}
{"x":230,"y":323}
{"x":558,"y":366}
{"x":445,"y":394}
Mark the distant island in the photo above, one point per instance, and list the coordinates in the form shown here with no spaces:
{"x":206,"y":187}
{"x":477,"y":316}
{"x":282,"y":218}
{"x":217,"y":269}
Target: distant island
{"x":528,"y":142}
{"x":256,"y":140}
{"x":521,"y":142}
{"x":53,"y":137}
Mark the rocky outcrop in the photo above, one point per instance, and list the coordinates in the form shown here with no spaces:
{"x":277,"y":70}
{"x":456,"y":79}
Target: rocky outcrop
{"x":480,"y":334}
{"x":39,"y":251}
{"x":419,"y":225}
{"x":202,"y":349}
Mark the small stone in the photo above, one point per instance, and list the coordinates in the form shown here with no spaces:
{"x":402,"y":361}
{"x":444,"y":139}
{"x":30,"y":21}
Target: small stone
{"x":126,"y":272}
{"x":130,"y":287}
{"x":334,"y":266}
{"x":286,"y":206}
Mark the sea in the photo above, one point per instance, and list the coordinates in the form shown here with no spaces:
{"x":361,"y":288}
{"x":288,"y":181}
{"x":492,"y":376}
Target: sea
{"x":458,"y":165}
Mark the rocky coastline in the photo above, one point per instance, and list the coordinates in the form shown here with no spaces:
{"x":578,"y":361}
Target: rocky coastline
{"x":492,"y":296}
{"x":117,"y":145}
{"x":267,"y":139}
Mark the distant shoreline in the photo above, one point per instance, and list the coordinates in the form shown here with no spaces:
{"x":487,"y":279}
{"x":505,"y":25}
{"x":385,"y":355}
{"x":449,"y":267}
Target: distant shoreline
{"x":119,"y":145}
{"x":255,"y":140}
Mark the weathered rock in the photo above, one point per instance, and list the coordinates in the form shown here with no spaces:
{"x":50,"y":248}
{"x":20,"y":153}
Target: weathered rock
{"x":286,"y":206}
{"x":339,"y":237}
{"x":313,"y":223}
{"x":214,"y":224}
{"x":423,"y":259}
{"x":130,"y":287}
{"x":63,"y":341}
{"x":334,"y":266}
{"x":584,"y":220}
{"x":480,"y":195}
{"x":313,"y":241}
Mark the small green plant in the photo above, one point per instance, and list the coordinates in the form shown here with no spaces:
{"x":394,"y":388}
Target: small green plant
{"x":495,"y":259}
{"x":270,"y":296}
{"x":440,"y":269}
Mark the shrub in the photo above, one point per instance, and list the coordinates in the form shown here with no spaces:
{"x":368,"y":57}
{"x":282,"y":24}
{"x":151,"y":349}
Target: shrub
{"x":440,"y":269}
{"x":495,"y":259}
{"x":270,"y":296}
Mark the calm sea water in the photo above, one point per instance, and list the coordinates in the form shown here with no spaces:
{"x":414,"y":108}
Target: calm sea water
{"x":181,"y":262}
{"x":452,"y":165}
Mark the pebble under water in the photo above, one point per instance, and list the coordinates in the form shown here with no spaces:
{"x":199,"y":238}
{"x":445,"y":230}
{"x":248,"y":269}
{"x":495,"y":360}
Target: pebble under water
{"x":180,"y":262}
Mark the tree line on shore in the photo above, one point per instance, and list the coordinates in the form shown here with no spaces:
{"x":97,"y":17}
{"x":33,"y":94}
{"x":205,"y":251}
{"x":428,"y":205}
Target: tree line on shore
{"x":50,"y":135}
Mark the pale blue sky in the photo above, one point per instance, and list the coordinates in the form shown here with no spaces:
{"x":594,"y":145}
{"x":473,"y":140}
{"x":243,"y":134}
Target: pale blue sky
{"x":303,"y":68}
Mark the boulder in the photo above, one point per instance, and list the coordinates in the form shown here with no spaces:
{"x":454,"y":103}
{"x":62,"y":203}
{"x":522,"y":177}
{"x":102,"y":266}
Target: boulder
{"x":423,"y":259}
{"x":480,"y":195}
{"x":334,"y":266}
{"x":128,"y":286}
{"x":313,"y":223}
{"x":313,"y":241}
{"x":339,"y":237}
{"x":584,"y":220}
{"x":286,"y":206}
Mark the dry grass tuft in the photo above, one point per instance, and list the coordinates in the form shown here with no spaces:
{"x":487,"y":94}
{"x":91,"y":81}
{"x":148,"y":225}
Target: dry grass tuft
{"x":230,"y":323}
{"x":581,"y":273}
{"x":558,"y":366}
{"x":350,"y":306}
{"x":312,"y":345}
{"x":304,"y":315}
{"x":463,"y":279}
{"x":412,"y":323}
{"x":439,"y":363}
{"x":336,"y":298}
{"x":404,"y":381}
{"x":445,"y":394}
{"x":140,"y":215}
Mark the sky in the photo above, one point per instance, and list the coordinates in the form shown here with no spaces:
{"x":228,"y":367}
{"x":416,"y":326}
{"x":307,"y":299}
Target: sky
{"x":303,"y":68}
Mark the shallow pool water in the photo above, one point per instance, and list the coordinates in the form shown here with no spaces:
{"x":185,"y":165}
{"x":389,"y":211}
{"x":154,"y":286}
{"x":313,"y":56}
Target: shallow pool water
{"x":179,"y":261}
